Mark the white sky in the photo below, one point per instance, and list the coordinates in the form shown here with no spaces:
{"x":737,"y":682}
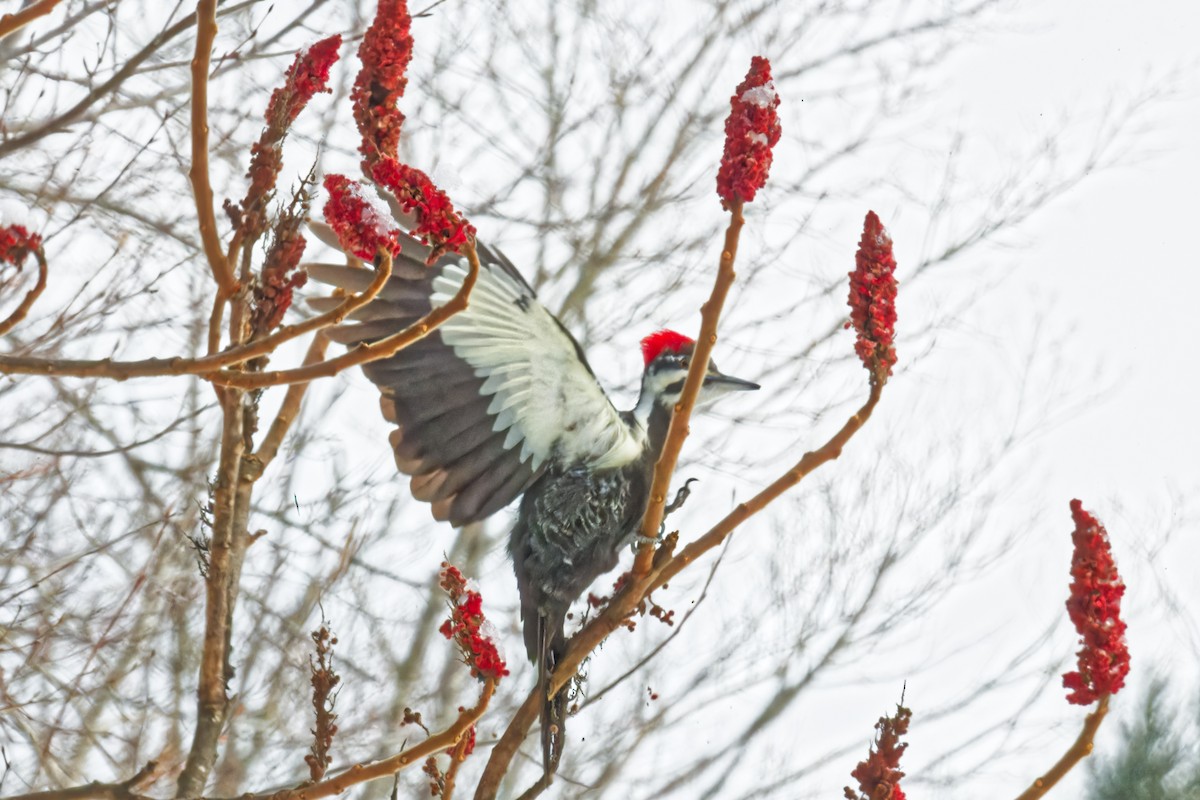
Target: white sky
{"x":1116,"y":265}
{"x":1118,"y":254}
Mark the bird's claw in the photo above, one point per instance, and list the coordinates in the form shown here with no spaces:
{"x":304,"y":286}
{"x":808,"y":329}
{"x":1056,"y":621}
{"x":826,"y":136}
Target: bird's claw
{"x":681,"y":497}
{"x":639,"y":540}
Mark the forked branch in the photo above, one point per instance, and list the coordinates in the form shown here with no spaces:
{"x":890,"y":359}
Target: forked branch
{"x":364,"y":353}
{"x":448,"y":739}
{"x":363,"y":772}
{"x":596,"y":631}
{"x":164,"y":367}
{"x":809,"y":462}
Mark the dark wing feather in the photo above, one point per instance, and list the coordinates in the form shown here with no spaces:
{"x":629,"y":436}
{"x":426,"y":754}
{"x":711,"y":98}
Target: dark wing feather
{"x":480,"y":405}
{"x":443,"y":438}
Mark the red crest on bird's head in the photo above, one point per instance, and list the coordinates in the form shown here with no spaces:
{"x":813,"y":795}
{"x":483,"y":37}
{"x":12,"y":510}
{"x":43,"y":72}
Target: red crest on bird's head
{"x":654,"y":344}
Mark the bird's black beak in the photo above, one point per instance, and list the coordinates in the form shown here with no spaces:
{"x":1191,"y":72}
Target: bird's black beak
{"x":727,"y":383}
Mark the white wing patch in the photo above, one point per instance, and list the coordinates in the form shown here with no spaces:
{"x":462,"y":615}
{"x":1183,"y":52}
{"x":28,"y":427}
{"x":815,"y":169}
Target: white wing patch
{"x":547,"y":400}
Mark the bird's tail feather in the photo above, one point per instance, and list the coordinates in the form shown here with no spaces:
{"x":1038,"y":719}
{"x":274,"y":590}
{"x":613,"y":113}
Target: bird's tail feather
{"x":552,"y":646}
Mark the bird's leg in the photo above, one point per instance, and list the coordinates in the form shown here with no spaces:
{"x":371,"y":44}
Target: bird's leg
{"x":681,"y":497}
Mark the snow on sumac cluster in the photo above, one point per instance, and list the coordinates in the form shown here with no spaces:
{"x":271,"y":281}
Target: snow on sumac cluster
{"x":473,"y":634}
{"x":751,"y":132}
{"x":385,"y":52}
{"x":362,"y":224}
{"x":438,"y":224}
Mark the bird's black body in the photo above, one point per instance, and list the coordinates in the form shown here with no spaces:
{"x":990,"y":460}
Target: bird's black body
{"x":500,"y":402}
{"x":580,"y":518}
{"x":576,"y":518}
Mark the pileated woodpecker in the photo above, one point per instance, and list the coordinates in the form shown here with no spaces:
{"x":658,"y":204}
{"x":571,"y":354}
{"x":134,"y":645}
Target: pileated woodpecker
{"x":500,"y":401}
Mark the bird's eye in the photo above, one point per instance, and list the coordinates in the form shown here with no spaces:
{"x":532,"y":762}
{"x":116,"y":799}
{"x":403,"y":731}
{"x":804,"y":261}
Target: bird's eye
{"x":683,"y":362}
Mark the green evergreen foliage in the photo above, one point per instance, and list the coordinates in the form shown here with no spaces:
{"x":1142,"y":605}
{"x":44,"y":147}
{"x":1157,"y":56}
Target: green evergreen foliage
{"x":1159,"y":757}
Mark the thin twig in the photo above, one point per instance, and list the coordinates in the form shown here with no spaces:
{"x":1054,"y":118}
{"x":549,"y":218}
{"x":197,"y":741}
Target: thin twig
{"x":364,"y":353}
{"x":1076,"y":753}
{"x":166,"y":367}
{"x":361,"y":773}
{"x":30,"y":447}
{"x":20,"y":311}
{"x":76,"y":112}
{"x":290,"y":407}
{"x":539,"y":786}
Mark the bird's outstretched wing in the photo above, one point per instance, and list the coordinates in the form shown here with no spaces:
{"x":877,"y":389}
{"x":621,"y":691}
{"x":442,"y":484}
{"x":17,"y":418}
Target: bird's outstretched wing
{"x":484,"y":403}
